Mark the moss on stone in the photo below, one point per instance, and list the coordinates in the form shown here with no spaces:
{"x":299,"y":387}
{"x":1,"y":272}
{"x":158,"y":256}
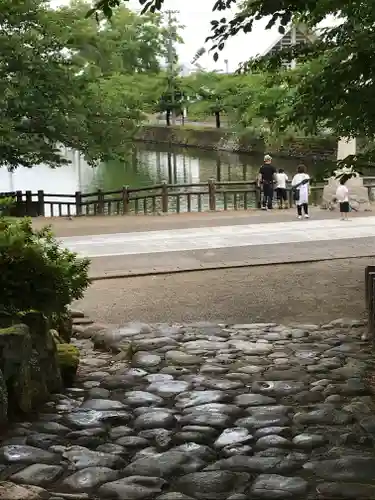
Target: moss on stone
{"x":29,"y":364}
{"x":68,"y":357}
{"x":3,"y":401}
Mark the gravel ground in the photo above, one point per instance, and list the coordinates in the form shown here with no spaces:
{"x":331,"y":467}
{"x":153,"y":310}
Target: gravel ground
{"x":314,"y":292}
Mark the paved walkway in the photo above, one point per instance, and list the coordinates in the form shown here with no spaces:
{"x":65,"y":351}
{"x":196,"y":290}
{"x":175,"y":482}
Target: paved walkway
{"x":151,"y":242}
{"x":204,"y":412}
{"x":226,"y":245}
{"x":79,"y":226}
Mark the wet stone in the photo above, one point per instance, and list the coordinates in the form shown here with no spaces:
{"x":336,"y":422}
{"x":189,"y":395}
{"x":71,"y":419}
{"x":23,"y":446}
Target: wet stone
{"x":168,"y":388}
{"x":27,"y":455}
{"x":347,"y":468}
{"x":154,"y":419}
{"x":146,"y":360}
{"x":12,"y":491}
{"x":212,"y":485}
{"x":324,"y":417}
{"x":272,"y":441}
{"x":182,"y":358}
{"x":50,"y":428}
{"x":196,"y":398}
{"x":132,"y":488}
{"x":213,"y":407}
{"x":38,"y":474}
{"x":98,"y":393}
{"x":102,"y":404}
{"x":253,"y":400}
{"x":204,"y":412}
{"x":233,"y":437}
{"x":346,"y":491}
{"x":273,"y":486}
{"x":211,"y":419}
{"x":89,"y":478}
{"x":142,"y":398}
{"x":174,"y":495}
{"x":80,"y":458}
{"x":280,"y":464}
{"x":278,"y":388}
{"x":307,"y":441}
{"x":132,"y":442}
{"x":43,"y":441}
{"x":164,"y":465}
{"x":120,"y":431}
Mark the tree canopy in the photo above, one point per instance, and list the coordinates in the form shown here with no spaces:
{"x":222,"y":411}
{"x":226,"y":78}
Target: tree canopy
{"x":335,"y":86}
{"x":65,"y":80}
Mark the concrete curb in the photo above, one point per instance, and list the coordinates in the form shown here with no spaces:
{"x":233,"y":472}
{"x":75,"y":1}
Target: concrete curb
{"x":216,"y":267}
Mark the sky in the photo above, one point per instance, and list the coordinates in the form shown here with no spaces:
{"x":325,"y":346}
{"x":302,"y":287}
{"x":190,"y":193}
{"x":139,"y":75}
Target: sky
{"x":195,"y":16}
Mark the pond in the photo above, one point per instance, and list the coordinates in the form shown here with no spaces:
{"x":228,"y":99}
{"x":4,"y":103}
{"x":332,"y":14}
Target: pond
{"x":146,"y":165}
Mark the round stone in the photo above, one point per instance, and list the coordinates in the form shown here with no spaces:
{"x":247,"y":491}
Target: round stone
{"x":155,"y":419}
{"x":233,"y":437}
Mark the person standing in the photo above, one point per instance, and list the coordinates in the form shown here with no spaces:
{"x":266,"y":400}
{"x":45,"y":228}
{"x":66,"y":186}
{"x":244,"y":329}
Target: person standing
{"x":281,"y":193}
{"x":342,"y":196}
{"x":301,"y":188}
{"x":266,"y":179}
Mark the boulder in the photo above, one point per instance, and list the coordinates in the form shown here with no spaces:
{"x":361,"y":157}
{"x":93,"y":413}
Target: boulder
{"x":357,"y":192}
{"x":29,"y":365}
{"x":68,"y":358}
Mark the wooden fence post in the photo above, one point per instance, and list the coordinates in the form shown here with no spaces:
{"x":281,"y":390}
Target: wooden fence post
{"x":100,"y":202}
{"x":258,"y":196}
{"x":41,"y":208}
{"x":212,"y":194}
{"x":164,"y":196}
{"x":125,"y":199}
{"x":78,"y":197}
{"x":368,"y":270}
{"x":290,"y":196}
{"x":371,"y":304}
{"x":29,"y":203}
{"x":19,"y":197}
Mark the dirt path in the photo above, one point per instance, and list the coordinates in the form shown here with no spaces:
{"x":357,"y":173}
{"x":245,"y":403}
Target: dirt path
{"x":82,"y":226}
{"x":315,"y":292}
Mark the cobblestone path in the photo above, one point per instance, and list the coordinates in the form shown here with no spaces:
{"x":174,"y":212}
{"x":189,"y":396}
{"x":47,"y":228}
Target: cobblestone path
{"x":205,"y":412}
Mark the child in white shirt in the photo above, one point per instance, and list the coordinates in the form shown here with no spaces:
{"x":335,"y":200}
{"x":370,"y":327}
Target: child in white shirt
{"x":342,"y":196}
{"x":281,"y":193}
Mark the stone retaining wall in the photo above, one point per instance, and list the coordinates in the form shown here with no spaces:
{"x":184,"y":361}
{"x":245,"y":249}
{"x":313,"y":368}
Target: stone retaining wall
{"x":316,"y":148}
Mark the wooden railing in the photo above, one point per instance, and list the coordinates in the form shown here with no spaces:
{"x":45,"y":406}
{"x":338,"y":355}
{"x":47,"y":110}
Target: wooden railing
{"x":158,"y":198}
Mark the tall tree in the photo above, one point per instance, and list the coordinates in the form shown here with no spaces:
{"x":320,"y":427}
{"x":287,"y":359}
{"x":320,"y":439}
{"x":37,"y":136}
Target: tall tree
{"x":66,"y":80}
{"x":336,"y":87}
{"x":128,"y":44}
{"x":39,"y":91}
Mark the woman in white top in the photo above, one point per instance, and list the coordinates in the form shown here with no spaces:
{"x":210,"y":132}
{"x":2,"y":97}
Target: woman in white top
{"x":301,"y":188}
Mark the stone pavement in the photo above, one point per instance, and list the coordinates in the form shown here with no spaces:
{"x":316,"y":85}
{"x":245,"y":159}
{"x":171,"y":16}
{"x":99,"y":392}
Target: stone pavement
{"x":204,"y":412}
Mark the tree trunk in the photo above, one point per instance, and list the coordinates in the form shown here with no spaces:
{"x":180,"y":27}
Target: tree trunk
{"x":168,"y":118}
{"x":217,"y":119}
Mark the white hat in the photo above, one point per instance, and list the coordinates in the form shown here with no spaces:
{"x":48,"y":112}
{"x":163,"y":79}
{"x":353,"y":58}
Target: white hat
{"x":267,"y":157}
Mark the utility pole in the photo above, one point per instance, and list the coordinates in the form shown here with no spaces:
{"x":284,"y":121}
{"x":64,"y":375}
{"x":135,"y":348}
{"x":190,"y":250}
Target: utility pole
{"x":171,"y":63}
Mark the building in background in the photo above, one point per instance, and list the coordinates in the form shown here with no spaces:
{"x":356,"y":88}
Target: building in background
{"x":296,"y":34}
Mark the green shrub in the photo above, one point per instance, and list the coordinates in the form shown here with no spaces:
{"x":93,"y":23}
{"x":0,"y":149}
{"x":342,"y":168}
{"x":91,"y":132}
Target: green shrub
{"x":36,"y":273}
{"x":6,"y":203}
